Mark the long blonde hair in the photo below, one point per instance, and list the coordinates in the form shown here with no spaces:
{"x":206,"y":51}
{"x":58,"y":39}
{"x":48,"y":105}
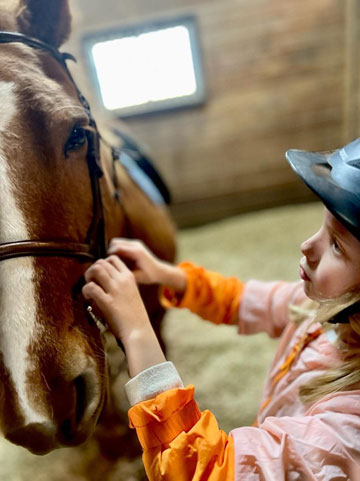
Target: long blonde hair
{"x":345,"y":376}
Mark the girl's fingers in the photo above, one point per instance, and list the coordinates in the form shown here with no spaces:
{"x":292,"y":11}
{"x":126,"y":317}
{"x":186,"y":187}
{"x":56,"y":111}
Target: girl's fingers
{"x":91,"y":290}
{"x":117,"y":263}
{"x":122,"y":241}
{"x":102,"y":273}
{"x":128,"y":248}
{"x":130,"y":252}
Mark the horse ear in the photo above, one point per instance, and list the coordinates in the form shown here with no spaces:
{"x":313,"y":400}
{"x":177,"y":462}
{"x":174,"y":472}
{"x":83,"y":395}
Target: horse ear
{"x":46,"y":20}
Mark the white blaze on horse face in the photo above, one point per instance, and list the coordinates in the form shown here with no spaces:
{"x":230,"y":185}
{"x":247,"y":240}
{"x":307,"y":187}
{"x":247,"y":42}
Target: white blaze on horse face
{"x":17,"y":287}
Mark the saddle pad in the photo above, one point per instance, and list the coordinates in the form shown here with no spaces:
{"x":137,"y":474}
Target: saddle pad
{"x":140,"y":177}
{"x":141,"y":169}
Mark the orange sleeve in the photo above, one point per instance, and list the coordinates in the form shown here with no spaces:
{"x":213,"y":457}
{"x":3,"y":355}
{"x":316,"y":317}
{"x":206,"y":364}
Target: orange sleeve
{"x":208,"y":294}
{"x":179,"y":442}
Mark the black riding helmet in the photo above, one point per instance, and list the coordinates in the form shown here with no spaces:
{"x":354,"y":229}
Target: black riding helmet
{"x":335,"y":178}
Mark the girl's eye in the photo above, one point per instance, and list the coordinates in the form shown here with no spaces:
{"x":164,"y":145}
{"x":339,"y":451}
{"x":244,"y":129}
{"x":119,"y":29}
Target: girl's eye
{"x":336,"y":247}
{"x":75,"y":141}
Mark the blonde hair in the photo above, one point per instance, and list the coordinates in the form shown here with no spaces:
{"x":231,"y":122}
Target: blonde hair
{"x":345,"y":376}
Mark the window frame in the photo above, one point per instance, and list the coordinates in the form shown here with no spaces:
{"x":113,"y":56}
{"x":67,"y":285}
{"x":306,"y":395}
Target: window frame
{"x":196,"y":99}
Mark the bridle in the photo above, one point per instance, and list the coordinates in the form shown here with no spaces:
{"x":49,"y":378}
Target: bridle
{"x":94,"y":245}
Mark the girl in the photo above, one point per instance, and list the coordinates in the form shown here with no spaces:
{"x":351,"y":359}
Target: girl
{"x":308,"y":426}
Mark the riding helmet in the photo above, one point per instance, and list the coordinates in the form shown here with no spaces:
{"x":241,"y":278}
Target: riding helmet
{"x":335,"y":178}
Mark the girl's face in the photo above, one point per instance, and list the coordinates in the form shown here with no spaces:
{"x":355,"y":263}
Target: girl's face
{"x":331,"y":263}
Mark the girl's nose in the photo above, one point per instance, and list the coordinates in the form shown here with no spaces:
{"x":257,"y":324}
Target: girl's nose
{"x":308,"y":249}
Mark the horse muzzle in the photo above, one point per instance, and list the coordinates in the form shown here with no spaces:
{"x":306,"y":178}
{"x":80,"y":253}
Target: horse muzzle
{"x":75,"y":410}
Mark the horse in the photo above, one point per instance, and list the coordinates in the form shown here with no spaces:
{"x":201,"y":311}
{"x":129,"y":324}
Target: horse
{"x":63,"y":196}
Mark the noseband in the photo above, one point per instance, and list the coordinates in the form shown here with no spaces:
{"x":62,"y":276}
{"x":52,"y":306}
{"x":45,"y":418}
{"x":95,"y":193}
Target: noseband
{"x":94,"y":245}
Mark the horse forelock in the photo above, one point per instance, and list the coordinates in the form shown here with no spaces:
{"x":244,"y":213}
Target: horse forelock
{"x":46,"y":95}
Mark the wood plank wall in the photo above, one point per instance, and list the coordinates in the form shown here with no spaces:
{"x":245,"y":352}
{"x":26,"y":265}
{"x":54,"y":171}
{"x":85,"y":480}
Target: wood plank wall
{"x":278,"y":77}
{"x":352,"y":70}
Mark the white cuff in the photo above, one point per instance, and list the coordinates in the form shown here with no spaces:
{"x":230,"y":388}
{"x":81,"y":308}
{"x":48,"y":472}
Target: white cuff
{"x":151,"y":382}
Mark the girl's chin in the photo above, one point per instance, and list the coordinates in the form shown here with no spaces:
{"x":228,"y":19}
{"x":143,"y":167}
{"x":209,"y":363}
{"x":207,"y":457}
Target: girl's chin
{"x":312,"y":294}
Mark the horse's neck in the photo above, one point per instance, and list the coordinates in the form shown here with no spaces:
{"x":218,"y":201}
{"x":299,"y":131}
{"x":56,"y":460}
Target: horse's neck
{"x":132,"y":213}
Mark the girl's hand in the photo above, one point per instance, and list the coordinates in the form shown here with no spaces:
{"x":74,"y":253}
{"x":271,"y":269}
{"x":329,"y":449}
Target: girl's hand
{"x":112,"y":286}
{"x":148,"y":269}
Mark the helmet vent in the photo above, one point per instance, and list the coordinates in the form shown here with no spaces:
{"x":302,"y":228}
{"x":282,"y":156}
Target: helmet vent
{"x":355,"y":163}
{"x":322,"y":170}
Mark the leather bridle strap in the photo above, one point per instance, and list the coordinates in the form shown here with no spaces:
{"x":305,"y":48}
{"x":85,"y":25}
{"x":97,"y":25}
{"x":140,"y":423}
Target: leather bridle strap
{"x":95,"y":245}
{"x":16,"y":37}
{"x":58,"y":249}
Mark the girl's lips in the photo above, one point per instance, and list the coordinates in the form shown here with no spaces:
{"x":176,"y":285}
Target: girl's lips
{"x":303,"y":274}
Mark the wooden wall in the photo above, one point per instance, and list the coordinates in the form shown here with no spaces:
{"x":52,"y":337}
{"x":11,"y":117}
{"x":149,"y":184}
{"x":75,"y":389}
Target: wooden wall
{"x":278,"y":76}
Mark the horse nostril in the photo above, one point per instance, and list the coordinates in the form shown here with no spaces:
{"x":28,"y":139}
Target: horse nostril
{"x":69,"y":426}
{"x":66,"y":432}
{"x":87,"y":407}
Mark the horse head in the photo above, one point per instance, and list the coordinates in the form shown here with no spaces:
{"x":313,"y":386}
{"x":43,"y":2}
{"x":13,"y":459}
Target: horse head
{"x":52,"y":362}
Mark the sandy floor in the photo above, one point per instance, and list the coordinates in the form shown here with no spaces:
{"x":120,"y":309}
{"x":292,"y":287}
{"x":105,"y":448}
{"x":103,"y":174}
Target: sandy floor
{"x":227,"y":370}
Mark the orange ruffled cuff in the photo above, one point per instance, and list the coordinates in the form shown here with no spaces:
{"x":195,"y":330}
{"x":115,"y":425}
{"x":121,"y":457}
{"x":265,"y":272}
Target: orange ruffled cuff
{"x":208,"y":294}
{"x":179,"y":442}
{"x":160,"y":420}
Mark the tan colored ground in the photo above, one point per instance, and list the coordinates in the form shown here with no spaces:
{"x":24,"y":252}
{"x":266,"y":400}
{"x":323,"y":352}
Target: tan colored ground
{"x":227,"y":370}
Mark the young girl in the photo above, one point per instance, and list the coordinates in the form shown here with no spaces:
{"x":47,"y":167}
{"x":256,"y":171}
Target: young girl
{"x":308,"y":426}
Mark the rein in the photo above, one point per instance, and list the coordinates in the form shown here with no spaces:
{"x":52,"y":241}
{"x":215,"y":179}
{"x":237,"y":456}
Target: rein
{"x":94,"y":245}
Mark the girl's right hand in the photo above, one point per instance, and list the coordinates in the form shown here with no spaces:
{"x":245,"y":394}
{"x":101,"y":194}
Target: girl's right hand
{"x":147,"y":268}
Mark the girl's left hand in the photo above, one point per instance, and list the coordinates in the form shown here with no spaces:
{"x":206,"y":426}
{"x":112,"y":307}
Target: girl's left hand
{"x":112,"y":286}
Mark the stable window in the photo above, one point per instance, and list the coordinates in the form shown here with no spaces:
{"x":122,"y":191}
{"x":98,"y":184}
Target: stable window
{"x":147,"y":68}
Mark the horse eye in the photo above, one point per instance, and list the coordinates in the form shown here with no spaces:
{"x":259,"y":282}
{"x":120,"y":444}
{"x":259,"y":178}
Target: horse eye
{"x":75,"y":141}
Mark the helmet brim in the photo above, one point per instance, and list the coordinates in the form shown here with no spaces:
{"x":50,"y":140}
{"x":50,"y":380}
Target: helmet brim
{"x":314,"y":169}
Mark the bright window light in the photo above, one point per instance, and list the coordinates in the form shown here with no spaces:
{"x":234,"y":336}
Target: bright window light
{"x":148,"y":70}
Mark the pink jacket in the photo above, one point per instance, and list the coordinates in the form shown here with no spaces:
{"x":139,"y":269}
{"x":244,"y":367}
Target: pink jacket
{"x":291,"y":441}
{"x":319,"y":442}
